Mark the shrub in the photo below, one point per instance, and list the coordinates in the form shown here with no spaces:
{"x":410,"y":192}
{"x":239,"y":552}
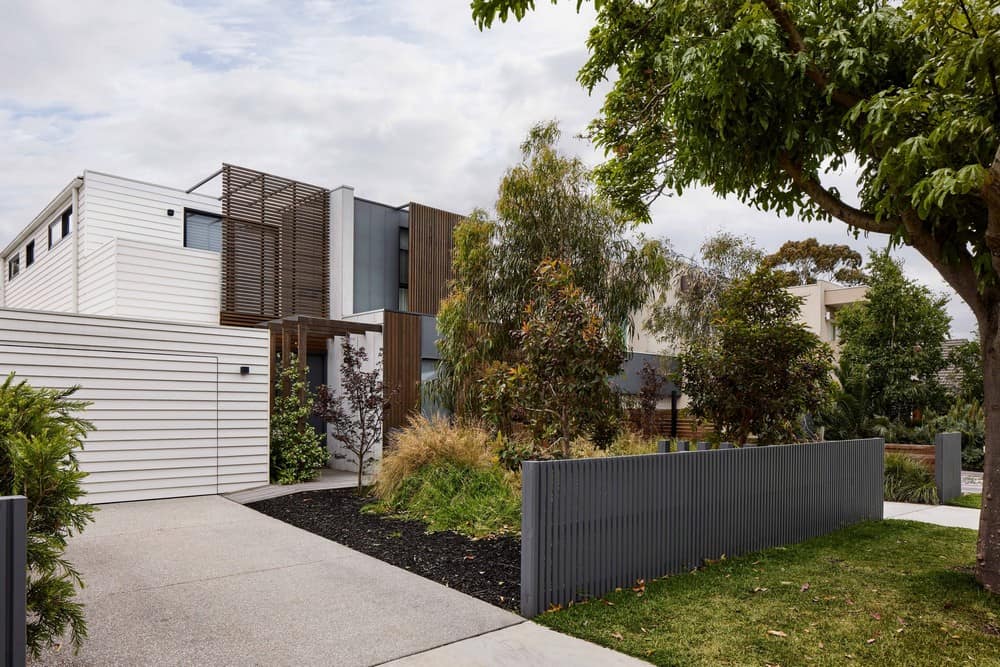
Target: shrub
{"x":629,"y":443}
{"x":512,"y":451}
{"x":426,"y":441}
{"x":908,"y":481}
{"x":967,"y":418}
{"x":297,"y":451}
{"x":472,"y":500}
{"x":39,"y":439}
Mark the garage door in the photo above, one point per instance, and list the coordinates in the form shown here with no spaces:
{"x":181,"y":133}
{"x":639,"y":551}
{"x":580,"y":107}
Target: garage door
{"x":156,"y":417}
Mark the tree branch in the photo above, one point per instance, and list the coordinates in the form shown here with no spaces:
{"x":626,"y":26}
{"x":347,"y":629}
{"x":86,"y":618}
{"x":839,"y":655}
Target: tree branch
{"x":797,"y":45}
{"x":834,"y":205}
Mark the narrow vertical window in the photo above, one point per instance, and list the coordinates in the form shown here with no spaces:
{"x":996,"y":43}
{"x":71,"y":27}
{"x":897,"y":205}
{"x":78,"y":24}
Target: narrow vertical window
{"x":13,"y":266}
{"x":29,"y":254}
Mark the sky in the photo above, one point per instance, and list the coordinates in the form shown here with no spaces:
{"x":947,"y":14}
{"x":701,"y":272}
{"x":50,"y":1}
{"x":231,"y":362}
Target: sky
{"x":405,"y":101}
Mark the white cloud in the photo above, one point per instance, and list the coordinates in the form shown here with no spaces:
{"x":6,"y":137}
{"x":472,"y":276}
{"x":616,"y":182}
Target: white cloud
{"x":403,"y":100}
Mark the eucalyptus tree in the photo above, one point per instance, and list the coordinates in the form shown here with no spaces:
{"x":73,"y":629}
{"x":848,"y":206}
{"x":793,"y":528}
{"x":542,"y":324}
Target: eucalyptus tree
{"x":759,"y":99}
{"x":547,"y":210}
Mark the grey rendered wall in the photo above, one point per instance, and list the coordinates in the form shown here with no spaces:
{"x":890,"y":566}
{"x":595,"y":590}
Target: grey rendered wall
{"x":948,"y":465}
{"x":376,"y":255}
{"x":13,"y":517}
{"x":591,"y":525}
{"x":629,"y":380}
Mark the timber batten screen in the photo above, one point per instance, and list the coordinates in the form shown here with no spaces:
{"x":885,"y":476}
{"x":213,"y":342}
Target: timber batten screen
{"x":430,"y":242}
{"x":275,"y":247}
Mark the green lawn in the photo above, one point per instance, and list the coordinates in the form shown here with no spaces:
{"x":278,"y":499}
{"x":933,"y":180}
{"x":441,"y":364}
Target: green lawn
{"x":973,"y":500}
{"x":886,"y":593}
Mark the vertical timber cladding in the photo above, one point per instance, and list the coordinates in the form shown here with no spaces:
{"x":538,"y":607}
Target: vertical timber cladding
{"x":275,"y":247}
{"x":401,"y":365}
{"x":430,"y":256}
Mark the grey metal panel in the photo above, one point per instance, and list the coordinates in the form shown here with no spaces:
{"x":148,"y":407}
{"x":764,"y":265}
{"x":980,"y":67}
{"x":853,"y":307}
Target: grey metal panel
{"x":948,"y":465}
{"x":591,"y":525}
{"x":428,"y":337}
{"x":376,"y":255}
{"x":629,"y":381}
{"x":13,"y":555}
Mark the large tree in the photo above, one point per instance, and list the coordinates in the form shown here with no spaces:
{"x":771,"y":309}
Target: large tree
{"x":894,"y":339}
{"x":804,"y":262}
{"x":547,"y":210}
{"x":762,"y":370}
{"x":758,"y":99}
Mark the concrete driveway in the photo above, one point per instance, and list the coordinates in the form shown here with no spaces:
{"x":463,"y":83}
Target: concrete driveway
{"x":205,"y":581}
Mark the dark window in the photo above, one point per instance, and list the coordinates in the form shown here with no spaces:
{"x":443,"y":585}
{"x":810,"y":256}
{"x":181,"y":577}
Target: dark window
{"x":404,"y":258}
{"x":66,"y":216}
{"x":29,"y":254}
{"x":202,"y":231}
{"x":13,"y":266}
{"x":60,"y":228}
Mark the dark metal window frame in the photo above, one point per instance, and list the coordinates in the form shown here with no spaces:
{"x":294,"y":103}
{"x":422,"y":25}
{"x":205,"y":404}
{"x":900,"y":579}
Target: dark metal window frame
{"x":29,"y":253}
{"x":195,"y":211}
{"x":65,"y":229}
{"x":13,"y":266}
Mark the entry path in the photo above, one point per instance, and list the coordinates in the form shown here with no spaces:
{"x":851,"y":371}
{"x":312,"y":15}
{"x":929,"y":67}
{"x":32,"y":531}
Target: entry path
{"x":206,"y":581}
{"x":942,"y":515}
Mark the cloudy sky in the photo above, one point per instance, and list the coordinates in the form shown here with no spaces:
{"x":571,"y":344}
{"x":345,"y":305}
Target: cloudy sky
{"x":403,"y":100}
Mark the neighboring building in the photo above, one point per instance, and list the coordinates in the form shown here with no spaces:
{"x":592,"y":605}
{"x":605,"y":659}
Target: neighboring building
{"x":950,"y":376}
{"x":820,"y":303}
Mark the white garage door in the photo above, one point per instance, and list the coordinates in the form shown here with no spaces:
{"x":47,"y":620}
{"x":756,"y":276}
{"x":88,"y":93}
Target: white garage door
{"x":156,"y":417}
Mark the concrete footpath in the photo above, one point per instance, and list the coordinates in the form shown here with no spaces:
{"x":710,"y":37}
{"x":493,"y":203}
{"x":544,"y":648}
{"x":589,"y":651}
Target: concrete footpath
{"x":942,"y":515}
{"x":206,"y":581}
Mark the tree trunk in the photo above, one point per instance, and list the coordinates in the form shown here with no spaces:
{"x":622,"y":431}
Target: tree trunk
{"x":988,"y":549}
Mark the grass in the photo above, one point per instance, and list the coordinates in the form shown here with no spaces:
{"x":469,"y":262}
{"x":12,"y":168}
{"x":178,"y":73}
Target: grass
{"x":885,"y":593}
{"x":908,"y":481}
{"x":447,"y":496}
{"x":973,"y":500}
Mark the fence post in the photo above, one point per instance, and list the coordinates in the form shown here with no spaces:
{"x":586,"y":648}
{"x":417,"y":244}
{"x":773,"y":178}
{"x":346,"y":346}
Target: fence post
{"x":530,"y":538}
{"x":663,"y":446}
{"x":13,"y":525}
{"x":948,"y":465}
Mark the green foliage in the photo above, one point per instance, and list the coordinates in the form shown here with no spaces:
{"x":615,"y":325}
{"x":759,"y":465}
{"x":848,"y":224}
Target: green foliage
{"x":40,"y":435}
{"x":514,"y":451}
{"x":547,"y":209}
{"x":967,"y":358}
{"x":908,"y":481}
{"x":688,"y":292}
{"x":762,"y":371}
{"x":968,"y":419}
{"x":297,"y":450}
{"x":474,"y":501}
{"x":557,"y":384}
{"x":805,"y":262}
{"x":894,"y":338}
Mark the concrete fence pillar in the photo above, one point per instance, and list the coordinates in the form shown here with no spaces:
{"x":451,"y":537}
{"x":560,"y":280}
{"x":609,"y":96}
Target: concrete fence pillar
{"x":13,"y":526}
{"x":948,"y":465}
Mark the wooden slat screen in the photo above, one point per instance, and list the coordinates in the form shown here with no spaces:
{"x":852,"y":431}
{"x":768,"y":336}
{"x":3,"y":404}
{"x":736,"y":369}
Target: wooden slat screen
{"x":275,"y":247}
{"x":430,"y":256}
{"x":401,"y":364}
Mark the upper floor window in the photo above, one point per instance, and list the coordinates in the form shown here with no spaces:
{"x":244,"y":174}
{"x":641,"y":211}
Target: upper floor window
{"x":29,"y":254}
{"x":202,"y":231}
{"x":13,"y":266}
{"x":60,"y":227}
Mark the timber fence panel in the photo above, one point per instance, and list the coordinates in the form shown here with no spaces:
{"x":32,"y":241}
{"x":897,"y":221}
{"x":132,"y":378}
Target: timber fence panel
{"x":591,"y":525}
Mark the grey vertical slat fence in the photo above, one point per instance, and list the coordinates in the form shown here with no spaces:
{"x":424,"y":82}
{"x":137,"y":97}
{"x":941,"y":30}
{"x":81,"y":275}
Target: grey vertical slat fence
{"x":13,"y":520}
{"x":589,"y":526}
{"x":948,"y":465}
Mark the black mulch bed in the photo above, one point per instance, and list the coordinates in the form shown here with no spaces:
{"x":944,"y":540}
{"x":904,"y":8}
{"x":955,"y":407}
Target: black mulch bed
{"x":489,"y":569}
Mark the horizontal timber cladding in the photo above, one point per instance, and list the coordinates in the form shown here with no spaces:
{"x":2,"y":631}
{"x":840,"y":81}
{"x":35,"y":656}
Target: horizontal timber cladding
{"x":174,"y":414}
{"x":430,"y":256}
{"x":401,"y":365}
{"x":275,"y":247}
{"x":589,"y":526}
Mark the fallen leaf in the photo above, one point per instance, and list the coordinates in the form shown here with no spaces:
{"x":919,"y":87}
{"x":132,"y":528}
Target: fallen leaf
{"x":804,"y":588}
{"x":870,"y":640}
{"x":877,"y":616}
{"x":617,"y":635}
{"x":608,"y":602}
{"x":777,"y":633}
{"x":822,"y":645}
{"x":759,"y":589}
{"x":644,"y":630}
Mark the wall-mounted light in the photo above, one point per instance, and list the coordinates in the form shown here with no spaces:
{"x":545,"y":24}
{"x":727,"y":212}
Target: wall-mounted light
{"x":244,"y":370}
{"x":170,"y":212}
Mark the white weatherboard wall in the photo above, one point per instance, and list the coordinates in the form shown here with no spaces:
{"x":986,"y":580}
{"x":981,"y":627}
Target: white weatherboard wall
{"x":174,"y":416}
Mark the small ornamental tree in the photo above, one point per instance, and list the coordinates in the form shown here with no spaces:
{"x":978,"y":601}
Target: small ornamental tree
{"x":763,"y":370}
{"x":358,"y":413}
{"x":651,"y":382}
{"x":805,"y":262}
{"x":40,"y":435}
{"x":894,"y":337}
{"x":567,"y":350}
{"x":297,"y":450}
{"x":967,"y":359}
